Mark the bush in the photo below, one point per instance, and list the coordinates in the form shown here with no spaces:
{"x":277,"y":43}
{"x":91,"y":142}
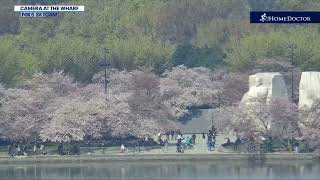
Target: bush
{"x":192,"y":56}
{"x":75,"y":56}
{"x":16,"y":65}
{"x":141,"y":51}
{"x":275,"y":45}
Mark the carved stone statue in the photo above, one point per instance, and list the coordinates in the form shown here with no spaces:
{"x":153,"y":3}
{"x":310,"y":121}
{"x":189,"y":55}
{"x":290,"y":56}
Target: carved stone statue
{"x":264,"y":86}
{"x":309,"y":89}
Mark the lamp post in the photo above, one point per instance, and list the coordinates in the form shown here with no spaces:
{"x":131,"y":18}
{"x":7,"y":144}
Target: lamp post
{"x":105,"y":65}
{"x":218,"y":105}
{"x":292,"y":47}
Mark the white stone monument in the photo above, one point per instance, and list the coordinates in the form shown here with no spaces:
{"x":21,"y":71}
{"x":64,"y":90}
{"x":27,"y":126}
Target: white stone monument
{"x":309,"y":89}
{"x":265,"y":86}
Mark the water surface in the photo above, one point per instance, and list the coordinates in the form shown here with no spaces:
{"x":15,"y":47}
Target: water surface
{"x":173,"y":170}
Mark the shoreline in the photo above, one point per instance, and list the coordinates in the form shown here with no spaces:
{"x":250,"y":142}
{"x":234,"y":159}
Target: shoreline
{"x":150,"y":157}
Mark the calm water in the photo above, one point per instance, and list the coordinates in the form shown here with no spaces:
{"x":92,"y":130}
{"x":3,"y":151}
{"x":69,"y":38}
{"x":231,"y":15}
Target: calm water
{"x":179,"y":170}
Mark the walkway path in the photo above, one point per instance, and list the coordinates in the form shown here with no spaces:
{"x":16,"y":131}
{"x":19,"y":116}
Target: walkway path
{"x":199,"y":148}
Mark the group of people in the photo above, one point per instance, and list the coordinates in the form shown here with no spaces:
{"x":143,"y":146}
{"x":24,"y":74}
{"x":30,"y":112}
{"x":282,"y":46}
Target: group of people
{"x":17,"y":150}
{"x":211,"y":138}
{"x":20,"y":149}
{"x":185,"y":143}
{"x":182,"y":143}
{"x":74,"y":150}
{"x":188,"y":142}
{"x":164,"y":143}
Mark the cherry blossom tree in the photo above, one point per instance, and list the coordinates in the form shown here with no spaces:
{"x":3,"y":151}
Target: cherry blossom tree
{"x":235,"y":85}
{"x":24,"y":109}
{"x":182,"y":89}
{"x":4,"y":118}
{"x":276,"y":120}
{"x":130,"y":106}
{"x":310,"y":125}
{"x":285,"y":119}
{"x":137,"y":103}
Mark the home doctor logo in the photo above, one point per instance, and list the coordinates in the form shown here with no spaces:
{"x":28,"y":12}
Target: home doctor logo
{"x":264,"y":17}
{"x":284,"y":17}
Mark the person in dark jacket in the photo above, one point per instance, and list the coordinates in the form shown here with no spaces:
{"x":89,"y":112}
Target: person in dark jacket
{"x":10,"y":150}
{"x":209,"y":141}
{"x":203,"y":139}
{"x":194,"y":139}
{"x":168,"y":136}
{"x":236,"y":144}
{"x":213,"y":142}
{"x":60,"y":149}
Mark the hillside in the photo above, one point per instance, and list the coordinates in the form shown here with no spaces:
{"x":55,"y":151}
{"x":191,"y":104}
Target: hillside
{"x":153,"y":35}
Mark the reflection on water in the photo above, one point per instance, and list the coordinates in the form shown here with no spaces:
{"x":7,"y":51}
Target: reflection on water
{"x":164,"y":170}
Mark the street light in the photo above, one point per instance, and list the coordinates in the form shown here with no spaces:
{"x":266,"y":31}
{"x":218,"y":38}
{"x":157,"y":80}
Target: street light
{"x":217,"y":106}
{"x":105,"y":65}
{"x":292,"y":47}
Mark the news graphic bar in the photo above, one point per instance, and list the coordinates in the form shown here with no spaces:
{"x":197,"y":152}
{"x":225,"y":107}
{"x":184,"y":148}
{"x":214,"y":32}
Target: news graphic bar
{"x":58,"y":8}
{"x":284,"y":17}
{"x":45,"y":11}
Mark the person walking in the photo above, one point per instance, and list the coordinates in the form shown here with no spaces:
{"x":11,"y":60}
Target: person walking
{"x":42,"y":149}
{"x":75,"y":149}
{"x":177,"y":133}
{"x":165,"y":147}
{"x":167,"y":136}
{"x":209,"y":141}
{"x":296,"y":146}
{"x":35,"y":148}
{"x":213,"y":142}
{"x":236,"y":144}
{"x":18,"y":150}
{"x":159,"y":137}
{"x":204,"y":140}
{"x":179,"y":143}
{"x":194,"y":139}
{"x":14,"y":150}
{"x":60,"y":149}
{"x":136,"y":146}
{"x":179,"y":137}
{"x":10,"y":150}
{"x":122,"y":148}
{"x":210,"y":133}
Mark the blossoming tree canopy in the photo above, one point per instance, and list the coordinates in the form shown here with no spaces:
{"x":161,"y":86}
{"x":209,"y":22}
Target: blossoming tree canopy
{"x":137,"y":103}
{"x":25,"y":109}
{"x":183,"y":88}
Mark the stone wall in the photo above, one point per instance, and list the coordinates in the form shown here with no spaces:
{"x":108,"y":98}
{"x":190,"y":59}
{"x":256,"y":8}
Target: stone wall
{"x":309,"y":89}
